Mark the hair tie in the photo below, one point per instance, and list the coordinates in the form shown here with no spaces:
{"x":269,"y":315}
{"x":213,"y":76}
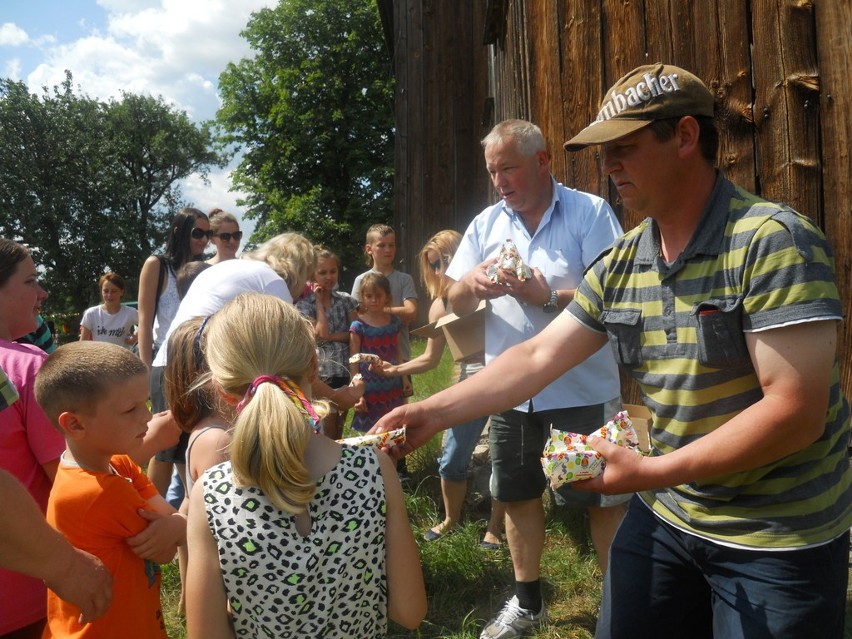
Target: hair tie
{"x":196,"y":345}
{"x":293,"y":393}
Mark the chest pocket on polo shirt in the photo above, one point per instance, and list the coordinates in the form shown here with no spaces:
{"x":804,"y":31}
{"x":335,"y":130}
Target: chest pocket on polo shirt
{"x":624,"y":330}
{"x":719,"y":333}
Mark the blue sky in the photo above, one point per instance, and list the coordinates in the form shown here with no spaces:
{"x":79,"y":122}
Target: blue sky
{"x":170,"y":48}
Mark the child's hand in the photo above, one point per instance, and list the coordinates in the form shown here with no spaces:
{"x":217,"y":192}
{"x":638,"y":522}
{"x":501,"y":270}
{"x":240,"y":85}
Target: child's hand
{"x":383,"y":368}
{"x":407,"y":388}
{"x":159,"y":541}
{"x":361,"y":406}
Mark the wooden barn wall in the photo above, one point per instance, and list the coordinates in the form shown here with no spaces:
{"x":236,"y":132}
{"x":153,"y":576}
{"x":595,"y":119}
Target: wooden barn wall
{"x":441,"y":70}
{"x":780,"y":70}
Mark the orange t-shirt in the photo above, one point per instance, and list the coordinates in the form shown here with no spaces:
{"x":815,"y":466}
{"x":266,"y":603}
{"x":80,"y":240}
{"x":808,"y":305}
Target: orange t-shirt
{"x":97,"y":512}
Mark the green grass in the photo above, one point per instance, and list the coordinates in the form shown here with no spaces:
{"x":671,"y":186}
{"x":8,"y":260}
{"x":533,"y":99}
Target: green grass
{"x":467,"y":585}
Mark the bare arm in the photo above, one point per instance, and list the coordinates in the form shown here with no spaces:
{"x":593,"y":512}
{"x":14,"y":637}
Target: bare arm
{"x":406,"y":312}
{"x":354,"y":349}
{"x":516,"y":375}
{"x":430,"y":357}
{"x":406,"y":591}
{"x":163,"y":432}
{"x":148,"y":279}
{"x":206,"y":602}
{"x":794,"y":366}
{"x":30,"y":546}
{"x":85,"y":334}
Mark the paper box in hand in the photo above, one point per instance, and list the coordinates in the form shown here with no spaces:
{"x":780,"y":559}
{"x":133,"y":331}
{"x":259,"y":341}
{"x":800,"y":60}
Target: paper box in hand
{"x":466,"y":334}
{"x":641,"y":419}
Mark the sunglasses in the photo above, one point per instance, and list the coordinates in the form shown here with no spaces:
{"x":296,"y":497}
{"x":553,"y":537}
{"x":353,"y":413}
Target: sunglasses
{"x":198,"y":233}
{"x":444,"y":260}
{"x":226,"y":237}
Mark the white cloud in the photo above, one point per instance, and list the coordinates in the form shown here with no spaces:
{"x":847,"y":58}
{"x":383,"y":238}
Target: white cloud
{"x":11,"y":35}
{"x":170,"y":48}
{"x":12,"y":69}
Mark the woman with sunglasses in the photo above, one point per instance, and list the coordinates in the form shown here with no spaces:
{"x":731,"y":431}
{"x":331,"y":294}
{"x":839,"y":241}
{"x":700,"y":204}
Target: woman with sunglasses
{"x":225,"y":235}
{"x":158,"y":303}
{"x":460,"y":441}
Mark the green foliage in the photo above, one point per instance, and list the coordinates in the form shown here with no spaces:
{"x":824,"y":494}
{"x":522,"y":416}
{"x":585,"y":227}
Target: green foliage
{"x":90,"y":185}
{"x":312,"y":113}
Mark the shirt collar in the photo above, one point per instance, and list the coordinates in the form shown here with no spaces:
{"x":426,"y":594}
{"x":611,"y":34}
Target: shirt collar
{"x":709,"y":235}
{"x":548,"y":213}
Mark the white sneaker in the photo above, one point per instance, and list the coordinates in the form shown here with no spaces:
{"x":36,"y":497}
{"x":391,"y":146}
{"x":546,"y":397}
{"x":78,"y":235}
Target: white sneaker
{"x":514,"y":621}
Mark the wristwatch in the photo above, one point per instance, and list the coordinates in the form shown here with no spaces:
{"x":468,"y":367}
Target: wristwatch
{"x":551,"y":305}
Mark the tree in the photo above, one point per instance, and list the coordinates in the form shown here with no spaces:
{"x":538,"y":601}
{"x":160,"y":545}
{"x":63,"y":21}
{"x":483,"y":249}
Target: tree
{"x":312,"y":113}
{"x":90,"y":185}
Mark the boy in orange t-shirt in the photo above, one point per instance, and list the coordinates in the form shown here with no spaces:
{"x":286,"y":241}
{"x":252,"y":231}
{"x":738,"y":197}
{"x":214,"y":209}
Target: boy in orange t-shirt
{"x":97,"y":396}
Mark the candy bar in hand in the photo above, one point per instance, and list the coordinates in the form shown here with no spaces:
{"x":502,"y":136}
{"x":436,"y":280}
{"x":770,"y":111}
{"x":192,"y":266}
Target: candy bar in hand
{"x":390,"y":438}
{"x":364,"y":358}
{"x":509,"y":261}
{"x":567,"y":457}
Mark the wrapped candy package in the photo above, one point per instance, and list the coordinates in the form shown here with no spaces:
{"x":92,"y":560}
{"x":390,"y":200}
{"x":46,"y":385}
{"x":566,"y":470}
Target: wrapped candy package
{"x":509,"y":261}
{"x":567,"y":457}
{"x":390,"y":438}
{"x":364,"y":358}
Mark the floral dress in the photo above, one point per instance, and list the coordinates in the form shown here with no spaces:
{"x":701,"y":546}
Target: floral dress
{"x":382,"y":394}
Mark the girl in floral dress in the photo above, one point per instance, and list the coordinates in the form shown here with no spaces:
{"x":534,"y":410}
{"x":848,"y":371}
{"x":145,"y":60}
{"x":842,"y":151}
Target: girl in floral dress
{"x":375,"y":332}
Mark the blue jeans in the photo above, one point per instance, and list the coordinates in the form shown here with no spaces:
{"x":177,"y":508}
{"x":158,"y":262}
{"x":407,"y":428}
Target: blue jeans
{"x":666,"y":584}
{"x":459,"y":443}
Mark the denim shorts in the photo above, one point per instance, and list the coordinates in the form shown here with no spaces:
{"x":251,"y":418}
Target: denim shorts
{"x":459,"y":443}
{"x":516,"y":441}
{"x":665,"y":583}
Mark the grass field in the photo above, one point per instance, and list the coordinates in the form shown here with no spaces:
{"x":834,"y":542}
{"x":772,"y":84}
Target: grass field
{"x":465,"y":584}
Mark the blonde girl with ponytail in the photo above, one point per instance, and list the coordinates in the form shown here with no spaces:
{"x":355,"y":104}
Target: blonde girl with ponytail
{"x":300,"y":535}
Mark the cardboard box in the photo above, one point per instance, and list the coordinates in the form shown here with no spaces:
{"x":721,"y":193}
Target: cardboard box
{"x":429,"y":331}
{"x":466,"y":334}
{"x":641,"y":418}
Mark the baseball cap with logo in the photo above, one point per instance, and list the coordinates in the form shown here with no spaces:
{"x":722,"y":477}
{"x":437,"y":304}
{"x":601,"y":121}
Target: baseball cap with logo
{"x":650,"y":92}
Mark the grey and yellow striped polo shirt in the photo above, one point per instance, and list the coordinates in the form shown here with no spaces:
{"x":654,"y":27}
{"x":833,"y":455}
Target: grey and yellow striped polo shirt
{"x":679,"y":330}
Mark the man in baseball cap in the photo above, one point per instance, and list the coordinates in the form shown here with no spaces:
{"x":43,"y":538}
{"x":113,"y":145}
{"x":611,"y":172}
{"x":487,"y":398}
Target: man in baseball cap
{"x":723,"y":307}
{"x":648,"y":93}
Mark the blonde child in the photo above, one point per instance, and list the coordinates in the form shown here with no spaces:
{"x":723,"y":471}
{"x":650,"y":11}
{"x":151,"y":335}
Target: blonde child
{"x":380,"y":250}
{"x":331,"y":312}
{"x":375,"y":332}
{"x":302,"y":536}
{"x":97,"y":396}
{"x":111,"y":321}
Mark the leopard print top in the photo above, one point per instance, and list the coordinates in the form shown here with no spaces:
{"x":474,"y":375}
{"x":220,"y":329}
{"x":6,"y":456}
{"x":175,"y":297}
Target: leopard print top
{"x":331,"y":583}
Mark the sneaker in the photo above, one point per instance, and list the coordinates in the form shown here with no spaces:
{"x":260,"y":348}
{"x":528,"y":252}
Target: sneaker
{"x":514,"y":621}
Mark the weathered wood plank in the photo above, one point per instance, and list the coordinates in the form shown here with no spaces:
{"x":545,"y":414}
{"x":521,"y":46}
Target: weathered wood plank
{"x":834,"y":50}
{"x":786,"y":102}
{"x":582,"y":76}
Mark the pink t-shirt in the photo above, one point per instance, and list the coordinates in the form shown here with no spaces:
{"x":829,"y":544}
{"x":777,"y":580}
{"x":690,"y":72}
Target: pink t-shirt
{"x":27,"y":440}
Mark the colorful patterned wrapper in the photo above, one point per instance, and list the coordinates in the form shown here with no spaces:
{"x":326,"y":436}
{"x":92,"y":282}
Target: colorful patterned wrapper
{"x":390,"y":438}
{"x":364,"y":358}
{"x":509,"y":260}
{"x":568,"y":458}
